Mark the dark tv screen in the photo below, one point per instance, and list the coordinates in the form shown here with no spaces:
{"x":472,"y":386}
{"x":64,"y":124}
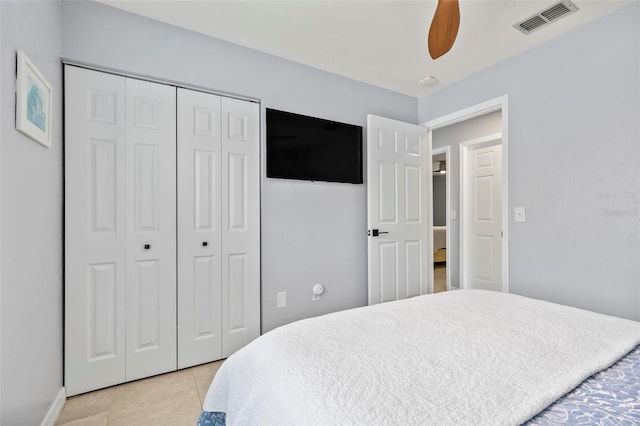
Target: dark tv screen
{"x":308,"y":148}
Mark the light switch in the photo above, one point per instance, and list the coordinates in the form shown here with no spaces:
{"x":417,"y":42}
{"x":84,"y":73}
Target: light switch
{"x":519,"y":214}
{"x":454,"y":215}
{"x":282,"y":299}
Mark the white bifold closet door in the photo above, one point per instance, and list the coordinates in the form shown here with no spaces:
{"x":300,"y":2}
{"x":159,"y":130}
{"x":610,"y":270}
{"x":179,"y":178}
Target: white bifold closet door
{"x":120,"y":229}
{"x":151,"y":228}
{"x":218,"y":226}
{"x":199,"y":223}
{"x":95,"y":238}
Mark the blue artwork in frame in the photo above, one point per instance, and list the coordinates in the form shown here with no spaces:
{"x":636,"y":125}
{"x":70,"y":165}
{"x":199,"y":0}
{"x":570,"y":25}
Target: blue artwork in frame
{"x":34,"y":102}
{"x":36,"y":111}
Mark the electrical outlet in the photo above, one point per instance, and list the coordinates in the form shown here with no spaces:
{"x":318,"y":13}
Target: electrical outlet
{"x":281,"y":297}
{"x":316,"y":291}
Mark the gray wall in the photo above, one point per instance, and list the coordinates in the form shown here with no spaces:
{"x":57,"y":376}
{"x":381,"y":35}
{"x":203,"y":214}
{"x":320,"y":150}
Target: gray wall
{"x":311,"y":232}
{"x":484,"y":125}
{"x":440,"y":200}
{"x":31,"y":225}
{"x":574,"y":157}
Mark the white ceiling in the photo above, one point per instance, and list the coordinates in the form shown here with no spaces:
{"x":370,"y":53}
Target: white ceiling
{"x":382,"y":43}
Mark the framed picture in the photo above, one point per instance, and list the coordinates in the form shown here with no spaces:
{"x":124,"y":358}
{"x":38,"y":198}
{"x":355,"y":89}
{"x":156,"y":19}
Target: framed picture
{"x":33,"y":102}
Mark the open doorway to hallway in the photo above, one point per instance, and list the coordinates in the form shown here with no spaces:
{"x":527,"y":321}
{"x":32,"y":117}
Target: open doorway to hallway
{"x":440,"y":213}
{"x":452,"y":136}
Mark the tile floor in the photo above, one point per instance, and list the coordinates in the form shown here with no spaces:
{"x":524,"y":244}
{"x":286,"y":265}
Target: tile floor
{"x":169,"y":399}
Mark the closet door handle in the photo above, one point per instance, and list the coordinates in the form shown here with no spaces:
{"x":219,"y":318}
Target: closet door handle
{"x":147,"y":246}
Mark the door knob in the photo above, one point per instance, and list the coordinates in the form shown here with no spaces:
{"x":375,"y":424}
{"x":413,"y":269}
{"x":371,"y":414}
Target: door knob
{"x":375,"y":233}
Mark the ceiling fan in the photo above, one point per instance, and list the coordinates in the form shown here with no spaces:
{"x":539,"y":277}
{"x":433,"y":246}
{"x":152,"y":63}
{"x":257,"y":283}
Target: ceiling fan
{"x":444,"y":28}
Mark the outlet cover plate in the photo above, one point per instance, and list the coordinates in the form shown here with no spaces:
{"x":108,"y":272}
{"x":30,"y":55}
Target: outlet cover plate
{"x":281,"y":297}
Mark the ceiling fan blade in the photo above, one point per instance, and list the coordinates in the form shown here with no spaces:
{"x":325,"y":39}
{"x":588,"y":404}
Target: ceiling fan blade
{"x":444,"y":28}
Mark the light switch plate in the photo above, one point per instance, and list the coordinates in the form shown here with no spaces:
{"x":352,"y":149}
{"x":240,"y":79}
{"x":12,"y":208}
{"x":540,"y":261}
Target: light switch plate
{"x":454,"y":215}
{"x":281,"y":299}
{"x":519,"y":214}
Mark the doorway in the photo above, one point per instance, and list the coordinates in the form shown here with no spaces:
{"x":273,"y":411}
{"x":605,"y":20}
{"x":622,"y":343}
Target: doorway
{"x":441,"y":183}
{"x":478,"y":126}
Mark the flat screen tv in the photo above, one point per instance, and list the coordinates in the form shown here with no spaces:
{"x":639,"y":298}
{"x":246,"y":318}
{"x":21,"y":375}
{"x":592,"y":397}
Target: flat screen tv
{"x":307,"y":148}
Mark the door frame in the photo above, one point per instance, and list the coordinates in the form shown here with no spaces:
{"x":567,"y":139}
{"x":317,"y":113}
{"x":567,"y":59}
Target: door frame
{"x":465,"y":148}
{"x":437,"y":151}
{"x":500,"y":103}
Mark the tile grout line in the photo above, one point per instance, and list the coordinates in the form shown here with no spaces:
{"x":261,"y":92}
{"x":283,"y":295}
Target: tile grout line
{"x":195,"y":383}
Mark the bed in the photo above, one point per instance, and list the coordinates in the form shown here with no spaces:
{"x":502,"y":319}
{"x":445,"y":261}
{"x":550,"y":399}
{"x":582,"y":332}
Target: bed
{"x":456,"y":358}
{"x":439,"y":244}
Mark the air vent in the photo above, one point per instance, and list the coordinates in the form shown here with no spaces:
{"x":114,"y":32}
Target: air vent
{"x":556,"y":11}
{"x":532,"y":24}
{"x":546,"y":17}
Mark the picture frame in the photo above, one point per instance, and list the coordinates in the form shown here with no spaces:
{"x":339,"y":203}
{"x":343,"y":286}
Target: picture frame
{"x":33,"y":102}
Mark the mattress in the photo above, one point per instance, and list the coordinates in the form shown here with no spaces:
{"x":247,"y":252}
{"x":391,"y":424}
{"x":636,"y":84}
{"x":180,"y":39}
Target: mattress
{"x":439,"y":237}
{"x":463,"y":357}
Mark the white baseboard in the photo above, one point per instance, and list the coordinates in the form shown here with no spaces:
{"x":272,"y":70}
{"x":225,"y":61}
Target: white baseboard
{"x":55,"y":409}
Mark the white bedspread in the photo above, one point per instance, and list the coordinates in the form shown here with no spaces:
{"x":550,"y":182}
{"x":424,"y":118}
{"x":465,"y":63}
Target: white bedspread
{"x":468,"y":357}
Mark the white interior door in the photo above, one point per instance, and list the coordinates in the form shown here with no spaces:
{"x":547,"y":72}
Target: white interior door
{"x":151,"y":228}
{"x":240,"y":209}
{"x":199,"y":236}
{"x":398,"y":199}
{"x":482,"y":210}
{"x":94,"y":230}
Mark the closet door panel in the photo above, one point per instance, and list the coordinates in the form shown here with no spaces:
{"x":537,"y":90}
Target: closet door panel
{"x":199,"y":237}
{"x":240,"y":224}
{"x":94,"y":230}
{"x":151,"y":228}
